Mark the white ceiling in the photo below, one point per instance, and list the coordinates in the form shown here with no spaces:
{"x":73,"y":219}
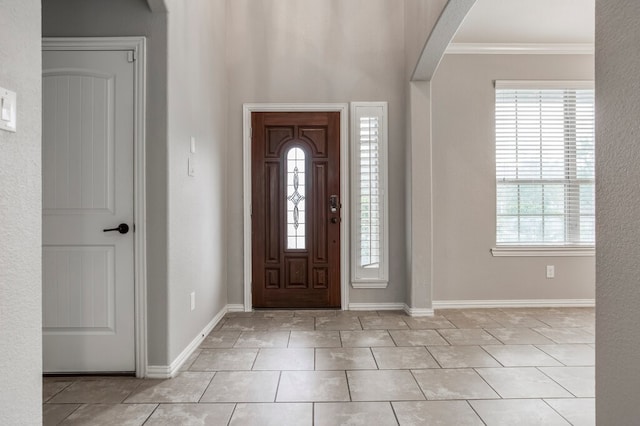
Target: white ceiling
{"x":529,"y":21}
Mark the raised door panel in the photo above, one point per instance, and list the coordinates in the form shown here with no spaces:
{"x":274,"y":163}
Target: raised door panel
{"x":79,"y":290}
{"x":79,"y":174}
{"x":320,"y":213}
{"x":272,"y":220}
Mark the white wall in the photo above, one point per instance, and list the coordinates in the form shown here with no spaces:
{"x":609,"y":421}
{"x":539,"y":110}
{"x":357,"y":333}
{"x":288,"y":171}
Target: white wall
{"x":197,"y":95}
{"x":97,"y":18}
{"x":20,"y":218}
{"x":318,"y":51}
{"x":464,"y":184}
{"x":617,"y":212}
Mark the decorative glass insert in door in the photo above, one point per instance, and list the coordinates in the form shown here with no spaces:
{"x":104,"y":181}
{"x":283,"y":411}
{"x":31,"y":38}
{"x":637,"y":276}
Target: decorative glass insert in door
{"x":296,"y":193}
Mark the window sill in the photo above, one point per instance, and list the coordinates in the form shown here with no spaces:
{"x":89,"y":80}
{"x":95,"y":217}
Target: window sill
{"x":369,"y":284}
{"x":543,"y":251}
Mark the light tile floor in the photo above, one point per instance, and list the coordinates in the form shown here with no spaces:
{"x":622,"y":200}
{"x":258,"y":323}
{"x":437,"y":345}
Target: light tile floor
{"x":461,"y":367}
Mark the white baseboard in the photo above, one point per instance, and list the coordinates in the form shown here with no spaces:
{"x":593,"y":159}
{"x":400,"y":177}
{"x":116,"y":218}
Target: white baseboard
{"x":370,"y":284}
{"x":376,"y":306}
{"x":158,"y":372}
{"x":521,"y":48}
{"x":169,"y":371}
{"x":525,"y":303}
{"x":418,"y":312}
{"x":236,"y":307}
{"x":413,"y":312}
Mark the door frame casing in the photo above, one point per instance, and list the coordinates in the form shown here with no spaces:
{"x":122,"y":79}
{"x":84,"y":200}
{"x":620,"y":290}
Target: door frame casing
{"x":138,"y":45}
{"x":343,"y":109}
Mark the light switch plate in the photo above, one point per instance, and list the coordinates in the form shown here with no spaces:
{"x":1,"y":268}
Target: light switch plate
{"x":193,"y":145}
{"x":8,"y":110}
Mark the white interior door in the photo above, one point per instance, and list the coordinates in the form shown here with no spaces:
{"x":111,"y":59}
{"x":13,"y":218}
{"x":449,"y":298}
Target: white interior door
{"x":88,"y":274}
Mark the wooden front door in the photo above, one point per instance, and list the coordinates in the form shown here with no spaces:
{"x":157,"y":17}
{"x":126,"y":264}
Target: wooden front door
{"x":295,"y":227}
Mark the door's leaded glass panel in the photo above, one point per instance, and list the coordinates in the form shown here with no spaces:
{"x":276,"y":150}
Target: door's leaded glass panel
{"x":296,"y":194}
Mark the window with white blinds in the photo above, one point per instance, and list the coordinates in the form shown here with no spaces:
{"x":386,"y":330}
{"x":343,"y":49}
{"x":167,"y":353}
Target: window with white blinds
{"x":369,"y":183}
{"x":545,"y":179}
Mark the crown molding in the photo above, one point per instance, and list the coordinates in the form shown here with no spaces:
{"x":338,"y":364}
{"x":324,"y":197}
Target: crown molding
{"x":520,"y":49}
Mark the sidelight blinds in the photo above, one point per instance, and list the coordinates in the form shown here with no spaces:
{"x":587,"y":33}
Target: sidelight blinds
{"x":369,"y":182}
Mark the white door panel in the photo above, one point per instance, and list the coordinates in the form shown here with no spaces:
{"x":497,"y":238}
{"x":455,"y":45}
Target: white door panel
{"x":76,"y":126}
{"x":81,"y":297}
{"x":88,"y":284}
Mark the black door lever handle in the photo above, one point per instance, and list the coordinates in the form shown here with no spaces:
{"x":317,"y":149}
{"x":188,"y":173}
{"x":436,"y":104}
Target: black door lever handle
{"x":123,"y":228}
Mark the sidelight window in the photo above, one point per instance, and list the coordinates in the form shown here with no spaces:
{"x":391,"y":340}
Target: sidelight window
{"x":369,"y":185}
{"x":296,"y":193}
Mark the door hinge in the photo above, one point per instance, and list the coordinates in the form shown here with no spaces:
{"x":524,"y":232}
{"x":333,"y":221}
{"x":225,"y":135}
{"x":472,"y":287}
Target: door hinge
{"x":251,"y":134}
{"x":131,"y":55}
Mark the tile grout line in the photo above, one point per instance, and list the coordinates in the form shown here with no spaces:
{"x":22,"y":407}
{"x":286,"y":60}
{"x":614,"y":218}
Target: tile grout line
{"x":500,"y":397}
{"x":275,"y":397}
{"x":494,"y":358}
{"x":375,"y":360}
{"x":544,"y":400}
{"x":207,"y":387}
{"x":474,"y":410}
{"x":540,"y":349}
{"x":557,"y":382}
{"x":232,"y":413}
{"x":418,"y":384}
{"x":434,"y":358}
{"x":393,"y":410}
{"x":150,"y":414}
{"x":348,"y":386}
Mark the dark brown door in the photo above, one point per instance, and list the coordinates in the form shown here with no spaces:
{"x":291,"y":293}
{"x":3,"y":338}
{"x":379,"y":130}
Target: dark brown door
{"x":295,"y":226}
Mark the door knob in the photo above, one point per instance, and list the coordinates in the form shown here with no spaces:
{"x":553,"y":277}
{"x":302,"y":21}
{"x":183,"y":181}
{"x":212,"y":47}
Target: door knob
{"x":123,"y":228}
{"x":334,"y":220}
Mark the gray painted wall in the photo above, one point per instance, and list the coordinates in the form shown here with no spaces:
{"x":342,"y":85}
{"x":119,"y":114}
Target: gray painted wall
{"x":97,"y":18}
{"x":618,"y":212}
{"x":420,"y":17}
{"x":318,"y":51}
{"x":419,"y":224}
{"x":464,"y":184}
{"x":186,"y":96}
{"x":21,"y":218}
{"x":197,"y":94}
